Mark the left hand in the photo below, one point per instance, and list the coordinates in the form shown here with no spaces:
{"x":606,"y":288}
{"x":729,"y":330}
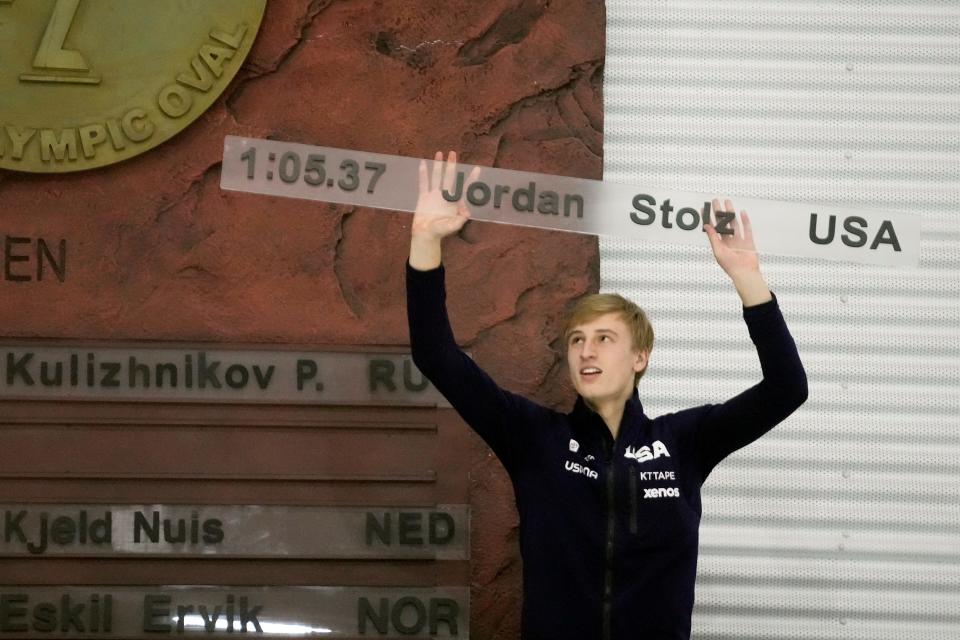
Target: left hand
{"x":737,"y":256}
{"x":735,"y":253}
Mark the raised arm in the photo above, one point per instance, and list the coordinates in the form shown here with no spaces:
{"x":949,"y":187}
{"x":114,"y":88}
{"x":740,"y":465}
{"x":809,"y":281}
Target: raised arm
{"x":496,"y":414}
{"x":726,"y":427}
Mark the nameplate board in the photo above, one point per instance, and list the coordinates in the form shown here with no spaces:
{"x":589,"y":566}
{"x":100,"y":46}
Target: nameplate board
{"x":247,"y":531}
{"x":201,"y":374}
{"x":632,"y":212}
{"x":222,"y":612}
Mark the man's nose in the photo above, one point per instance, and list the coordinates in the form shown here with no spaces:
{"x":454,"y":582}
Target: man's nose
{"x":587,"y":351}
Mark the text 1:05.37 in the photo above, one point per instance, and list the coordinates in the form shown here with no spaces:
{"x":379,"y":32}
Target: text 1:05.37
{"x":314,"y":171}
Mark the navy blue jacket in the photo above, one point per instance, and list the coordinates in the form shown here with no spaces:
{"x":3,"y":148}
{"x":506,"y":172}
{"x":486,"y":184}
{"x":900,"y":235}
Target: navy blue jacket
{"x":608,"y":529}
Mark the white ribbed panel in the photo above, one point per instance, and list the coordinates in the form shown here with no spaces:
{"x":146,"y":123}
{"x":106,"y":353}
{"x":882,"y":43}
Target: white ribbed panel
{"x":843,"y":522}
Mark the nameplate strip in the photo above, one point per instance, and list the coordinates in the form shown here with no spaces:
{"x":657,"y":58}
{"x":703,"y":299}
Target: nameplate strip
{"x":231,"y":612}
{"x":577,"y":205}
{"x":236,"y":531}
{"x":200,"y":374}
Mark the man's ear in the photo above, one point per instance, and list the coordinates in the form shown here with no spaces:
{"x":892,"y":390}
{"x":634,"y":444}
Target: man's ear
{"x":641,"y":361}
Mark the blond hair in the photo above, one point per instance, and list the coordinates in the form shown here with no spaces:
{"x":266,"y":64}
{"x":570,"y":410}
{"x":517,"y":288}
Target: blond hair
{"x":592,"y":306}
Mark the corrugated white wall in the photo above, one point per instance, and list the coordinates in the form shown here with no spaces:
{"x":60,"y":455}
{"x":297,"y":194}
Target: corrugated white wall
{"x":844,"y":522}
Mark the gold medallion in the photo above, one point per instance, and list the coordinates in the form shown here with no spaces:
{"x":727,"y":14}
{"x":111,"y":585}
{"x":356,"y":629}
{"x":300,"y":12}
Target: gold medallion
{"x":86,"y":83}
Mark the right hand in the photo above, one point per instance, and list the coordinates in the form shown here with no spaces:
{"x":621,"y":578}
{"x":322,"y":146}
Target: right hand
{"x":434,"y":217}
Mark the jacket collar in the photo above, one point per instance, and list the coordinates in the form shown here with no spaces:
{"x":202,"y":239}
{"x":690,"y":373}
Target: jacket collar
{"x":633,"y":415}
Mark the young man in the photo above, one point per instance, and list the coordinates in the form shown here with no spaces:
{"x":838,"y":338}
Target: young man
{"x":609,"y":499}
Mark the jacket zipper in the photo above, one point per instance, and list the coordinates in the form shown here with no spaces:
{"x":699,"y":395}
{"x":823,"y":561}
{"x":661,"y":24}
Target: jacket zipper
{"x":633,"y":501}
{"x":608,"y":573}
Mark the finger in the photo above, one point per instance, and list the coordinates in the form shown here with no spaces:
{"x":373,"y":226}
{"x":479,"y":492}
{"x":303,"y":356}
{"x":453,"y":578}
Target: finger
{"x":714,"y":237}
{"x":747,"y":227}
{"x":729,"y":208}
{"x":462,"y":206}
{"x":450,"y":172}
{"x":748,"y":241}
{"x":437,"y":168}
{"x":716,"y":207}
{"x":422,"y":182}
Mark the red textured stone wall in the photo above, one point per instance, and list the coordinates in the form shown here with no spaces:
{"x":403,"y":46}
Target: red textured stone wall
{"x":156,"y":251}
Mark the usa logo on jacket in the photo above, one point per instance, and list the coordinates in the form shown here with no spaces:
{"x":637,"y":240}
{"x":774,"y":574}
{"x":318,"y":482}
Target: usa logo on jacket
{"x":645,"y":453}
